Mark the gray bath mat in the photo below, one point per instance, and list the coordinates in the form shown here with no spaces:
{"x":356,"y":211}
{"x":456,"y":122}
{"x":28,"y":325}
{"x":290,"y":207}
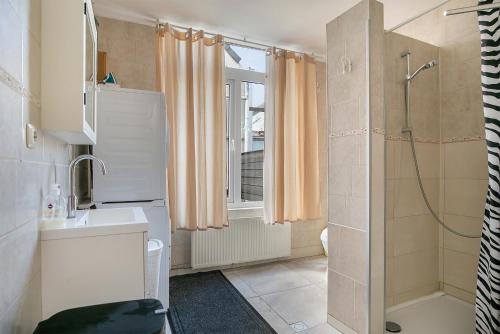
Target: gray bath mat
{"x":208,"y":303}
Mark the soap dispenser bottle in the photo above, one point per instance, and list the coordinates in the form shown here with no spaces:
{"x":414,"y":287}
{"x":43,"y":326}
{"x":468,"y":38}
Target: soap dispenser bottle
{"x":54,"y":204}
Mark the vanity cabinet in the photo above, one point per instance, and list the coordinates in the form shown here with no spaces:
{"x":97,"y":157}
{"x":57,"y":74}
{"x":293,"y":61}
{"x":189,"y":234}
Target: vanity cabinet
{"x":98,"y":257}
{"x":69,"y":67}
{"x":95,"y":268}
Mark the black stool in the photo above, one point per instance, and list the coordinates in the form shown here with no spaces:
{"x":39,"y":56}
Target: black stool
{"x":129,"y":317}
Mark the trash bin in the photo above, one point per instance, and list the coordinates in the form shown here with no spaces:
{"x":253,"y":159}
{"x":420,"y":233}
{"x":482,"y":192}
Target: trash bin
{"x":324,"y":240}
{"x":155,"y":248}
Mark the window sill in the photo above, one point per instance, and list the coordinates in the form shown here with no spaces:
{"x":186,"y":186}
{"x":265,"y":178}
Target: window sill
{"x":245,"y":212}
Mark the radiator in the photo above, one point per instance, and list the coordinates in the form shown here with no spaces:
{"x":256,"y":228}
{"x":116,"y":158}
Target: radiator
{"x":245,"y":240}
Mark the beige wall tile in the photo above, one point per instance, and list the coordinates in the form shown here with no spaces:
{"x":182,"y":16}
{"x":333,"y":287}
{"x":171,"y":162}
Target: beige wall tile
{"x":454,"y":273}
{"x":465,"y":225}
{"x":415,"y":270}
{"x":466,"y":160}
{"x":390,"y":193}
{"x":360,"y":310}
{"x":414,"y":234}
{"x":131,"y":52}
{"x":465,"y":197}
{"x":428,"y":158}
{"x":341,"y":298}
{"x":469,"y":297}
{"x":346,"y":116}
{"x":408,"y":198}
{"x":389,"y":272}
{"x":389,"y":238}
{"x":415,"y":293}
{"x":341,"y":179}
{"x":347,"y":252}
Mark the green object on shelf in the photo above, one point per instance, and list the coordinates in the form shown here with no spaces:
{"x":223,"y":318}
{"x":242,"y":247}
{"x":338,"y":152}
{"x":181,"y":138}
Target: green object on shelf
{"x":110,"y":78}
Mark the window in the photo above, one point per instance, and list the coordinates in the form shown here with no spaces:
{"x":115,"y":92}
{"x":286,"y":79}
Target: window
{"x":245,"y":125}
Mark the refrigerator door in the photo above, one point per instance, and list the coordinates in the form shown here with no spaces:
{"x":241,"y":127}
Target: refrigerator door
{"x":131,"y":127}
{"x":159,"y":228}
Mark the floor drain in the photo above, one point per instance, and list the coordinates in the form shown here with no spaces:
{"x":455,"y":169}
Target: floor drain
{"x":298,"y":326}
{"x":392,"y":327}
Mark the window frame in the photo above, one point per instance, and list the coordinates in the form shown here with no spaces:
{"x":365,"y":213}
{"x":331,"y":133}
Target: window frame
{"x":234,"y":77}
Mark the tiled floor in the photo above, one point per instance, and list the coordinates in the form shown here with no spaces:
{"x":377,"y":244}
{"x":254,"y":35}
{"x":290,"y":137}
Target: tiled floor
{"x":290,"y":295}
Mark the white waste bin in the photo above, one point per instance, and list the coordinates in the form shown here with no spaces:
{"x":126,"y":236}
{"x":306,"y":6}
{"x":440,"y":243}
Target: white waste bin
{"x":155,"y":247}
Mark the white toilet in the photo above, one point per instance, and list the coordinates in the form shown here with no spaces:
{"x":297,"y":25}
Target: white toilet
{"x":324,"y":240}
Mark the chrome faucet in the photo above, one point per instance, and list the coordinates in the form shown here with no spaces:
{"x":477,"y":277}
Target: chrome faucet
{"x":72,"y":199}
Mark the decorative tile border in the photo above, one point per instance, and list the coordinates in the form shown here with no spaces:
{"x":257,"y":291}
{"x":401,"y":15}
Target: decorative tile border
{"x":17,"y":87}
{"x":437,"y":141}
{"x":417,"y":139}
{"x":357,"y":132}
{"x":463,"y":139}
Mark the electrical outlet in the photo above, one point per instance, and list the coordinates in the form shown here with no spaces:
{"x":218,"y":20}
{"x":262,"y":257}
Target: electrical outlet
{"x":32,"y":136}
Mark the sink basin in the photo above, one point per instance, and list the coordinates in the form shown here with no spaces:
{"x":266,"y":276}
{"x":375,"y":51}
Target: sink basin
{"x":89,"y":223}
{"x":115,"y":216}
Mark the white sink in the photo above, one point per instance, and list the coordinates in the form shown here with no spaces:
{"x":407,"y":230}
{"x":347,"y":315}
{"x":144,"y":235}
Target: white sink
{"x":96,"y":222}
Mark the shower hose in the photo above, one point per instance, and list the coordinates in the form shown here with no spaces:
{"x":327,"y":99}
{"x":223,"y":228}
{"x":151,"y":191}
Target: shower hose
{"x":424,"y":195}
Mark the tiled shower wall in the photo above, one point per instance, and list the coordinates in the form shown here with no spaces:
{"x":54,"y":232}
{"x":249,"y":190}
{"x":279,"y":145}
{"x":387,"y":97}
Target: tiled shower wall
{"x":131,"y":52}
{"x":356,"y":154}
{"x":463,"y":150}
{"x":411,"y":234}
{"x":25,"y":174}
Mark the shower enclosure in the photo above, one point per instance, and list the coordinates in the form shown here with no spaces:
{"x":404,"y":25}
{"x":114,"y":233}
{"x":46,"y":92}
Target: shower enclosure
{"x":408,"y":170}
{"x":436,"y":172}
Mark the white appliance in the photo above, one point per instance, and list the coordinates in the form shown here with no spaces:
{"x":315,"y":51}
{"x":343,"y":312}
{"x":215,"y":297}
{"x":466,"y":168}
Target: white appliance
{"x":132,"y":142}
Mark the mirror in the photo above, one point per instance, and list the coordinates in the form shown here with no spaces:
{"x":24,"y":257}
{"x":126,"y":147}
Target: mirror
{"x":90,"y":73}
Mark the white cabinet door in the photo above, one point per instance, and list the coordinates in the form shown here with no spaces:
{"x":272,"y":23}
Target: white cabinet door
{"x":159,"y":228}
{"x":92,"y":270}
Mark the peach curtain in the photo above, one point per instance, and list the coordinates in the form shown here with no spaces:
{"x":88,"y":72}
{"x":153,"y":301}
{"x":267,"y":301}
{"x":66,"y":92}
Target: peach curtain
{"x":291,"y":162}
{"x":190,"y":72}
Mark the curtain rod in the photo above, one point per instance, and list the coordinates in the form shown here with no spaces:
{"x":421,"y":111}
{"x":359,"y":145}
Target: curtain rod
{"x":242,"y":42}
{"x":464,"y":10}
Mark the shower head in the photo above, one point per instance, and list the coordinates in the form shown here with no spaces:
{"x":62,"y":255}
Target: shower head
{"x":431,"y":64}
{"x":426,"y":66}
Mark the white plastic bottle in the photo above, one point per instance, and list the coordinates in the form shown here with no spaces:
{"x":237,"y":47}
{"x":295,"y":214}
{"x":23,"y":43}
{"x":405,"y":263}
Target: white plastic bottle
{"x":53,"y":204}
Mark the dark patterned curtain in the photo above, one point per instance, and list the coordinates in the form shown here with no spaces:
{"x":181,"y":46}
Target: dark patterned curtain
{"x":488,"y":279}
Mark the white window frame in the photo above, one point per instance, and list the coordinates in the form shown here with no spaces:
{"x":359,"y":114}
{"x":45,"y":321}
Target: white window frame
{"x":234,"y":77}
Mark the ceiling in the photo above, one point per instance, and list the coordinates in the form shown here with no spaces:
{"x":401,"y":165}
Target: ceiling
{"x":294,"y":24}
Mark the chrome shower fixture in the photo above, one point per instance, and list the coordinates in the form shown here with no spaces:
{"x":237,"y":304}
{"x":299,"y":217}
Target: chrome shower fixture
{"x":409,"y":130}
{"x":409,"y":77}
{"x":425,"y":66}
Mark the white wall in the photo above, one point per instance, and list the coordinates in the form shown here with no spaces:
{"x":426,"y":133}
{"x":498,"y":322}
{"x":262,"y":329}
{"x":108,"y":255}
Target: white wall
{"x":24,"y":174}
